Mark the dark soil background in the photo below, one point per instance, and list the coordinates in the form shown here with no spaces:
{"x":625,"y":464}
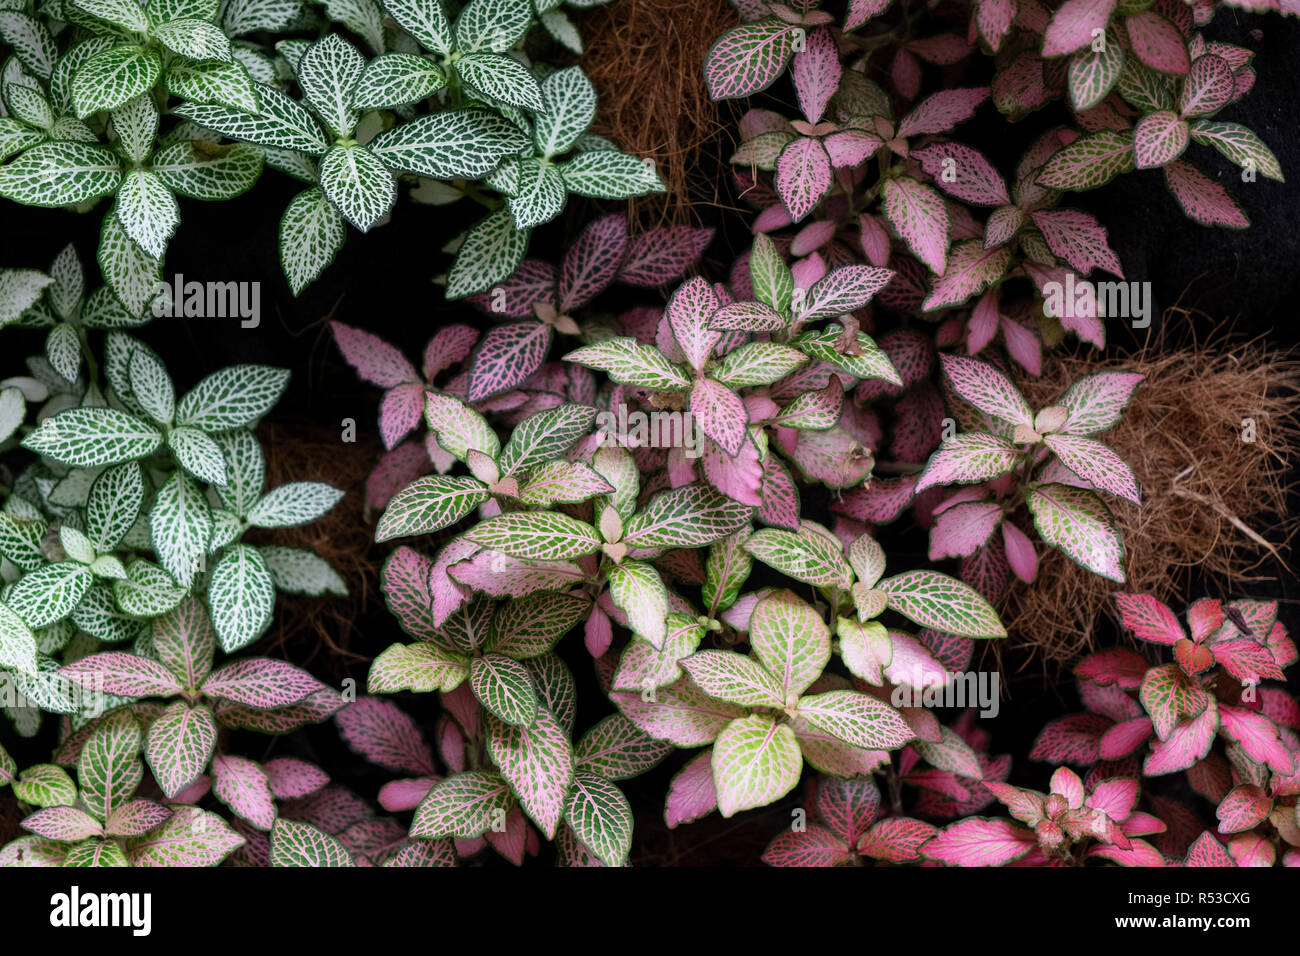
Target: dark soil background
{"x":383,"y":282}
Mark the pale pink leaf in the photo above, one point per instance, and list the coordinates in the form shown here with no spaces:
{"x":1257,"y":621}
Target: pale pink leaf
{"x":688,"y":316}
{"x":964,"y":173}
{"x":1203,"y":199}
{"x":1159,"y":138}
{"x":1097,"y":464}
{"x":663,"y":254}
{"x":374,"y":359}
{"x":290,"y":777}
{"x":803,"y":176}
{"x":979,"y":842}
{"x":963,"y":529}
{"x":1079,"y":239}
{"x":970,"y":270}
{"x":1073,"y":25}
{"x":400,"y":411}
{"x":691,"y":794}
{"x":943,"y":110}
{"x":720,"y":413}
{"x":592,"y":262}
{"x":1157,"y":42}
{"x":920,"y":217}
{"x":987,"y":389}
{"x":241,"y":785}
{"x":117,"y":672}
{"x":816,"y":73}
{"x":261,"y":682}
{"x":506,"y":357}
{"x":1209,"y":86}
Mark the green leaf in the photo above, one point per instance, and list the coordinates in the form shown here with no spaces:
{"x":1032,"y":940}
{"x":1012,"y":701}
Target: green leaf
{"x":491,"y":251}
{"x":19,"y":290}
{"x":396,"y":79}
{"x":600,"y":817}
{"x":241,"y":597}
{"x":686,"y":517}
{"x":311,"y":234}
{"x":180,"y":743}
{"x":86,"y":437}
{"x":420,"y":668}
{"x":869,"y":362}
{"x":29,"y":105}
{"x":127,"y":14}
{"x":628,"y":362}
{"x":247,"y":470}
{"x":327,"y":73}
{"x":463,"y":805}
{"x":638,"y":590}
{"x":116,"y":76}
{"x":494,"y":25}
{"x":299,"y":571}
{"x":180,"y":525}
{"x":856,"y":719}
{"x":423,"y":20}
{"x":757,"y":363}
{"x":198,"y":454}
{"x":223,"y":84}
{"x":109,"y":768}
{"x":63,"y":350}
{"x":280,"y":122}
{"x":538,"y":535}
{"x":1078,"y":522}
{"x":540,"y":195}
{"x":232,"y":397}
{"x":544,"y":436}
{"x":148,"y":590}
{"x":501,"y":79}
{"x":301,"y":844}
{"x":608,"y":174}
{"x":570,"y":108}
{"x":60,"y":174}
{"x":1240,"y":145}
{"x":17,"y":645}
{"x":461,"y":143}
{"x":114,"y":504}
{"x":194,"y":38}
{"x":219,"y":172}
{"x":812,"y":555}
{"x":504,"y":688}
{"x":755,"y":762}
{"x":136,"y":126}
{"x":429,"y":504}
{"x":358,"y":184}
{"x":935,"y":600}
{"x":45,"y":785}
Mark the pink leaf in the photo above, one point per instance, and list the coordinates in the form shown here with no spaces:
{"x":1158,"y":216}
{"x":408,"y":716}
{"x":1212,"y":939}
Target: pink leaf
{"x":897,"y":840}
{"x":1021,"y":554}
{"x":920,"y":217}
{"x":780,"y":507}
{"x":374,"y":359}
{"x":507,"y":356}
{"x":1209,"y":87}
{"x":1079,"y":239}
{"x":1148,"y":618}
{"x":691,"y":794}
{"x":1139,"y":853}
{"x":65,"y":824}
{"x":993,"y":18}
{"x":1203,"y":200}
{"x":941,"y":111}
{"x":987,"y":389}
{"x":814,"y":846}
{"x":397,"y":469}
{"x":533,"y":281}
{"x":117,"y":672}
{"x":290,"y":778}
{"x":261,"y":682}
{"x":739,"y":476}
{"x":979,"y":842}
{"x":688,"y":315}
{"x":242,"y":786}
{"x":1157,"y":42}
{"x":1244,"y":808}
{"x":845,"y":289}
{"x":905,"y":72}
{"x":720,"y":414}
{"x":1096,"y":464}
{"x":1124,"y":738}
{"x":847,"y":807}
{"x":400,"y":411}
{"x":964,"y":173}
{"x":1187,"y":743}
{"x":1258,"y":737}
{"x":663,"y":254}
{"x":384,"y":734}
{"x":962,"y":530}
{"x":1207,"y":851}
{"x":1073,"y":25}
{"x":748,"y":58}
{"x":1159,"y":138}
{"x":803,"y":176}
{"x":1073,"y":739}
{"x":851,"y":147}
{"x":971,"y":269}
{"x":816,"y":73}
{"x":860,"y":11}
{"x":592,"y":262}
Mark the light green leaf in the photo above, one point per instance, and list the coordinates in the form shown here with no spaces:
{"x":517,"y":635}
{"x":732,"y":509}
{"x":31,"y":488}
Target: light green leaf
{"x":180,"y":525}
{"x":935,"y":600}
{"x":241,"y":597}
{"x":607,"y":174}
{"x":299,"y":571}
{"x":295,"y":503}
{"x":755,"y":762}
{"x":358,"y":184}
{"x":421,"y":668}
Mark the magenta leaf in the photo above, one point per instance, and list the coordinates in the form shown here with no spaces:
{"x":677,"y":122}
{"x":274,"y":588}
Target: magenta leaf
{"x":1073,"y":26}
{"x":1079,"y":239}
{"x":117,"y":672}
{"x":980,"y":842}
{"x":748,"y":58}
{"x":691,"y":794}
{"x":242,"y":785}
{"x":920,"y":217}
{"x":1185,"y":745}
{"x":1073,"y":739}
{"x":964,"y":173}
{"x":663,"y":254}
{"x":1157,"y":42}
{"x":803,"y":176}
{"x":812,"y":846}
{"x":593,"y":260}
{"x":1149,"y":619}
{"x":507,"y":356}
{"x":261,"y":682}
{"x":897,"y":840}
{"x":1205,"y":850}
{"x":941,"y":111}
{"x":374,"y":359}
{"x":816,"y":73}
